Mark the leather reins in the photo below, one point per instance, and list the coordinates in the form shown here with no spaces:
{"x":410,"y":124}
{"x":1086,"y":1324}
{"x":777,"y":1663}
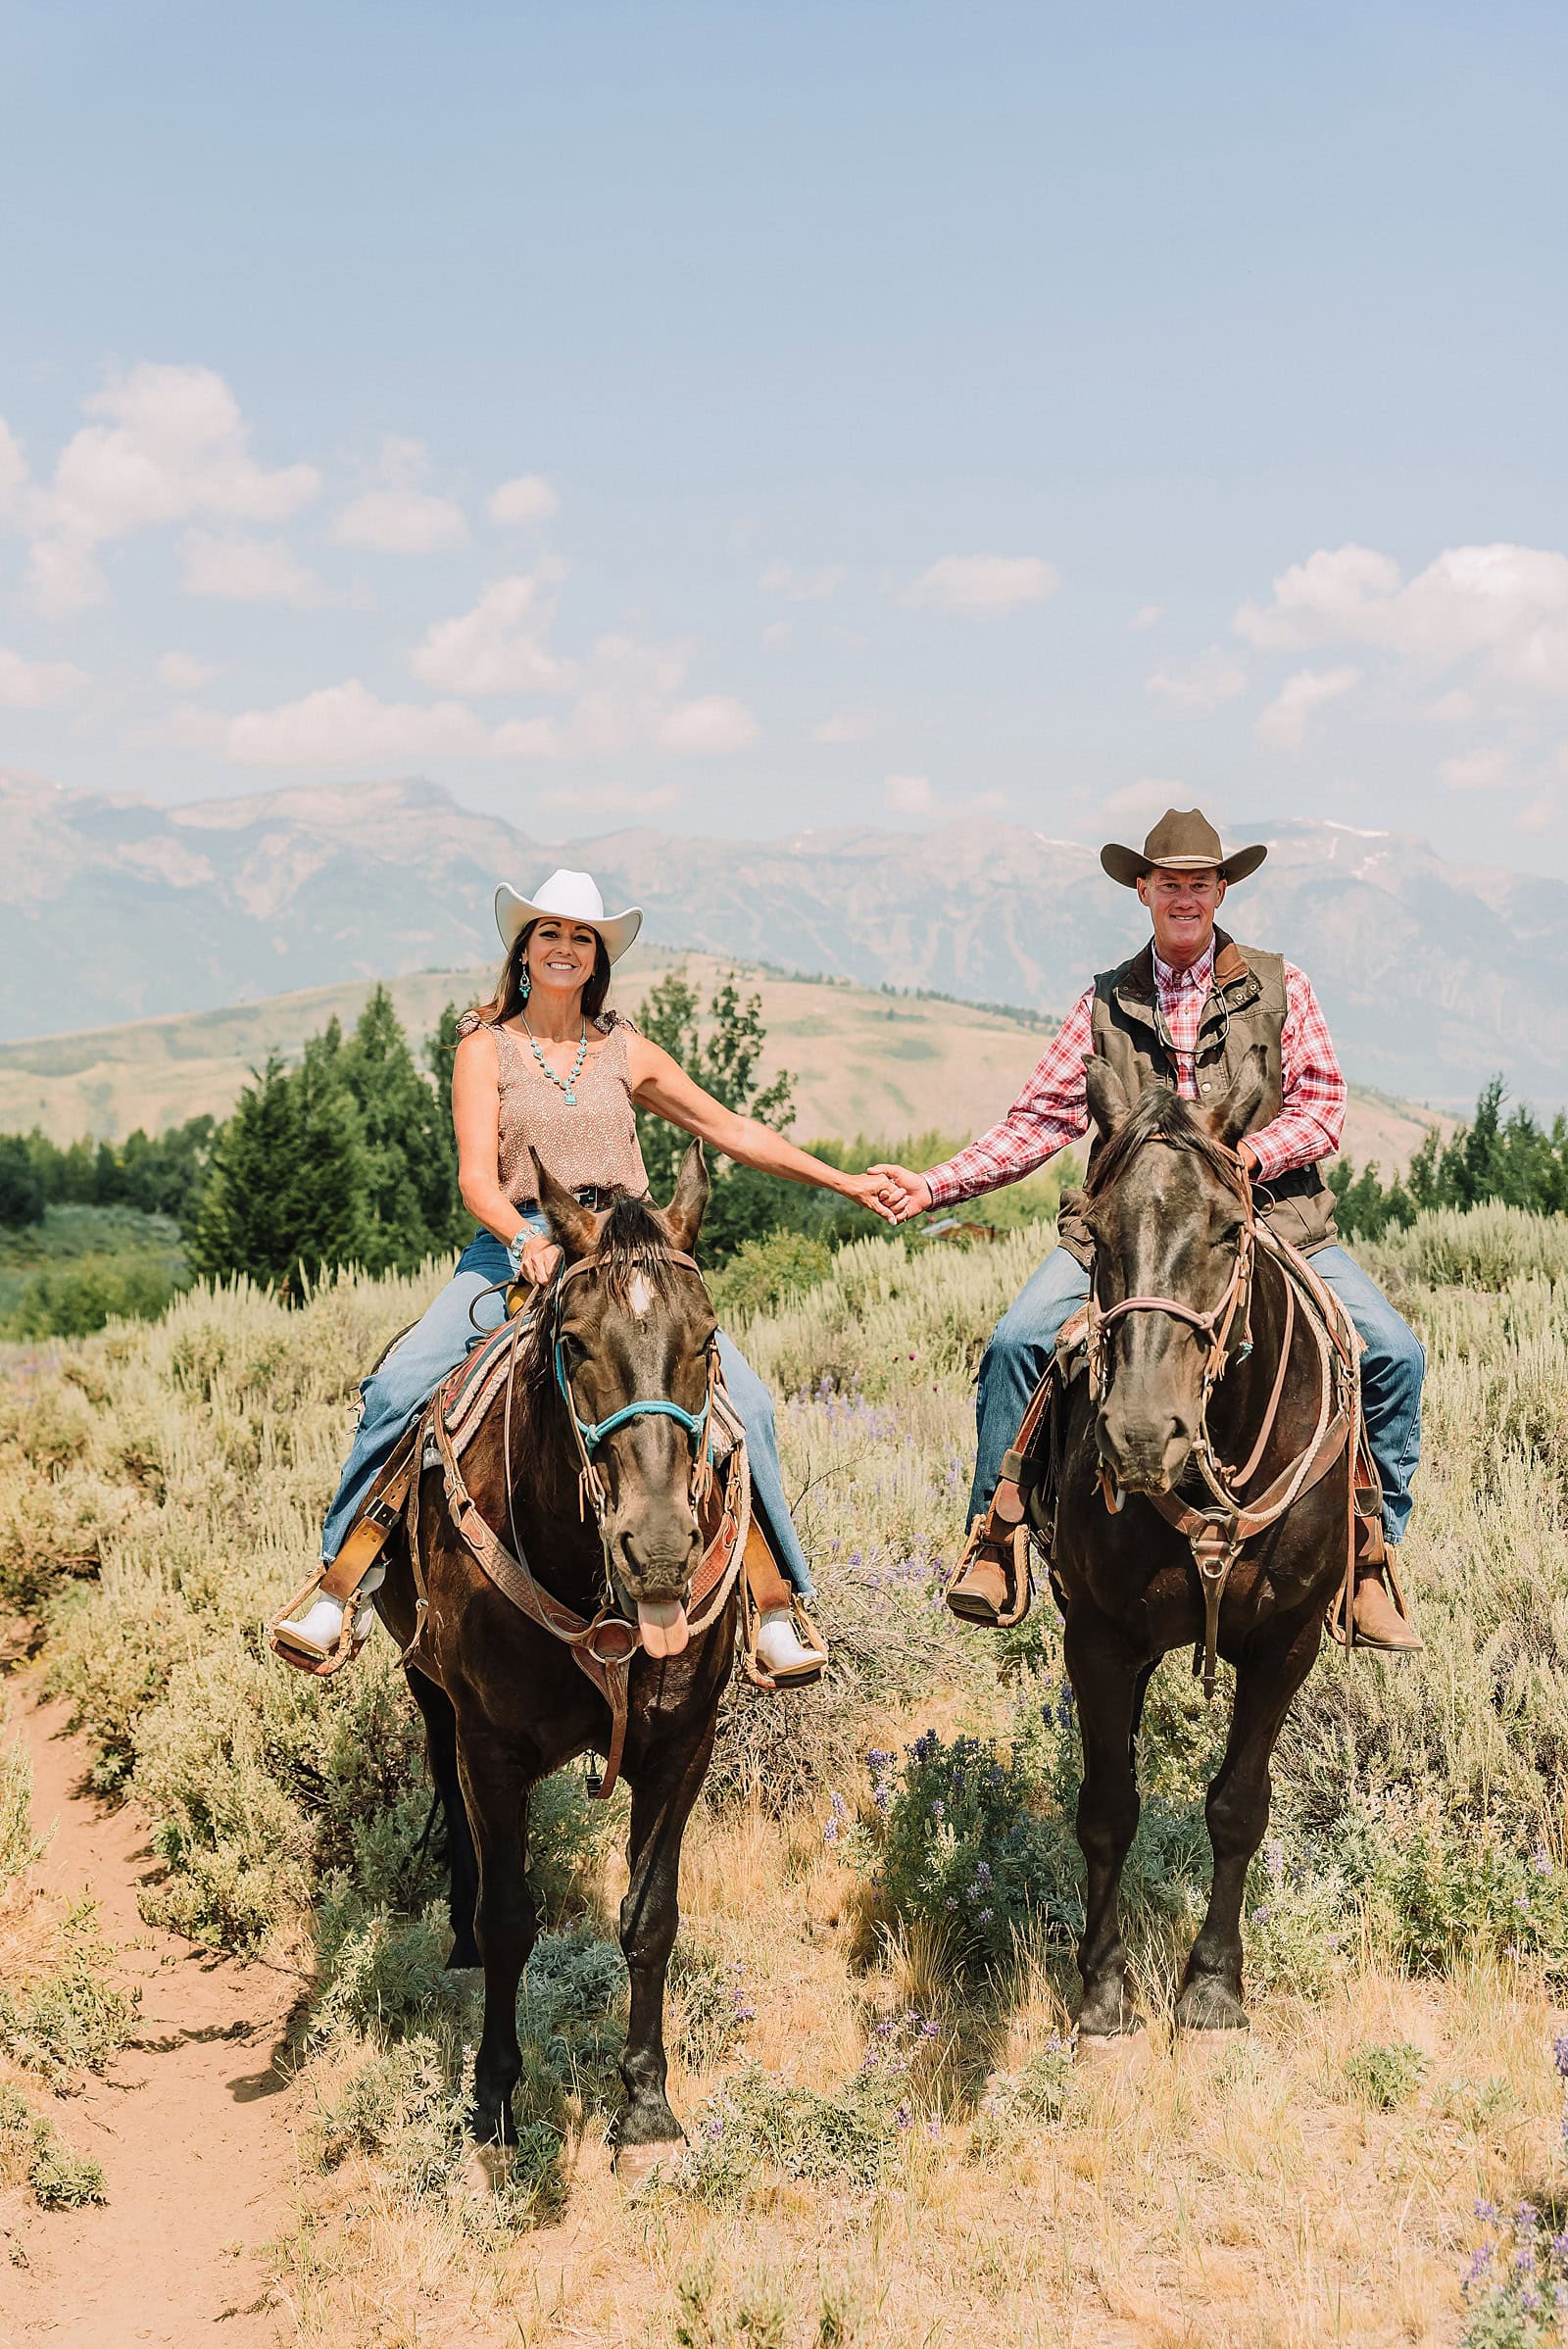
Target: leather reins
{"x":606,"y":1644}
{"x":1217,"y":1534}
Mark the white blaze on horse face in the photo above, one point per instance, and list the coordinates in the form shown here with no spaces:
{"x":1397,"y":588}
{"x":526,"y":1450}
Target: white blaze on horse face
{"x":639,"y":1297}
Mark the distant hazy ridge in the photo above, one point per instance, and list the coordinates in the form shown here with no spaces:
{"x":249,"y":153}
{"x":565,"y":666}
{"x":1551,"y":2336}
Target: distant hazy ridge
{"x":1433,"y":976}
{"x":862,"y":1061}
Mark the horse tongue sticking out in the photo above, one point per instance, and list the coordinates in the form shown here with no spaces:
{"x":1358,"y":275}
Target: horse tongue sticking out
{"x":663,"y":1624}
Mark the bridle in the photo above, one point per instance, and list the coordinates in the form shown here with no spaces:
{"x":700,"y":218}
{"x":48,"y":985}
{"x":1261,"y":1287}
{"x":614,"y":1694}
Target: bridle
{"x":1215,"y":1325}
{"x":590,"y":1434}
{"x":603,"y":1646}
{"x":1218,"y":1534}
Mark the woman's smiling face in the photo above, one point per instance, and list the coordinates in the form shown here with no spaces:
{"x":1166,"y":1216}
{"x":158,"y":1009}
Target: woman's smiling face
{"x":561,"y":954}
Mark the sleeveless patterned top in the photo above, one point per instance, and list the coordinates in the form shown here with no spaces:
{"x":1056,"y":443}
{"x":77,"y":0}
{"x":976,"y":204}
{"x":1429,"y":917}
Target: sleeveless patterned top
{"x":593,"y":1144}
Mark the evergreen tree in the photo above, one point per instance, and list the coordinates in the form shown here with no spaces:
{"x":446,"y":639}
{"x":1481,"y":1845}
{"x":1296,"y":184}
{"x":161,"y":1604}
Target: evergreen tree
{"x":284,"y":1196}
{"x":22,"y":1199}
{"x":440,"y":1050}
{"x":410,"y":1163}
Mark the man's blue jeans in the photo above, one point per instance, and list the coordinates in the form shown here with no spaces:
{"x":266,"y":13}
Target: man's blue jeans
{"x":1392,"y":1368}
{"x":394,"y":1394}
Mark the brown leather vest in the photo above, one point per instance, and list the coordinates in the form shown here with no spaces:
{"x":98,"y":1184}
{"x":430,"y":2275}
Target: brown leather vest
{"x":1246,"y":1006}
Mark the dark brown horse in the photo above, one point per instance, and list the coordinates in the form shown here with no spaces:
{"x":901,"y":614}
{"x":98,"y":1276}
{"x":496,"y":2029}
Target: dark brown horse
{"x":504,"y":1701}
{"x":1189,"y":1319}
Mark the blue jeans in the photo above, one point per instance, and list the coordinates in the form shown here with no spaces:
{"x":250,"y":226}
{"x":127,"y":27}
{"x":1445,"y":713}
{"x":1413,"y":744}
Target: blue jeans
{"x":1392,"y":1368}
{"x":395,"y":1392}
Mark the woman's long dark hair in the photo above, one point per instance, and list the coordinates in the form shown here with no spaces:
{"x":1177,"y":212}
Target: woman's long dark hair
{"x":508,"y":1001}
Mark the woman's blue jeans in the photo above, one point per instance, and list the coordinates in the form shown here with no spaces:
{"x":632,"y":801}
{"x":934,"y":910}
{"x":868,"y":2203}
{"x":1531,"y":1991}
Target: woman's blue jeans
{"x":1393,"y":1369}
{"x":394,"y":1394}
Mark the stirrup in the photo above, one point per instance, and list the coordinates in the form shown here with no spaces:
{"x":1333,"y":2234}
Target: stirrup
{"x":1010,"y":1550}
{"x":806,"y":1630}
{"x":359,"y":1621}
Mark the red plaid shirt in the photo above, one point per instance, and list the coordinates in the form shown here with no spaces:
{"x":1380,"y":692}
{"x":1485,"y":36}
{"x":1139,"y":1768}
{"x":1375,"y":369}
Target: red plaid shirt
{"x":1052,"y":1108}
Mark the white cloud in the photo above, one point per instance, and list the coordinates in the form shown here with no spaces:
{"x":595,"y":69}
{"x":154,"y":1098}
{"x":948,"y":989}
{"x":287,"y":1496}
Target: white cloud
{"x":1504,"y":606}
{"x":63,"y":576}
{"x":398,"y":515}
{"x":915,"y":795}
{"x":1146,"y":615}
{"x":499,"y":646}
{"x":1201,"y":684}
{"x":174,"y":446}
{"x":401,"y":522}
{"x":802,"y":587}
{"x":909,"y":794}
{"x":345,"y":725}
{"x":248,"y":570}
{"x":990,"y":584}
{"x":182,"y":673}
{"x":1453,"y":708}
{"x":1283,"y":725}
{"x":707,"y":727}
{"x":614,"y":799}
{"x":13,"y":470}
{"x":1481,"y":770}
{"x":526,"y":500}
{"x":36,"y":684}
{"x":1139,"y":804}
{"x":846,"y":725}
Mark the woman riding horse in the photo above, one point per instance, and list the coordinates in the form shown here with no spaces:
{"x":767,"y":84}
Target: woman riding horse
{"x":545,"y":1066}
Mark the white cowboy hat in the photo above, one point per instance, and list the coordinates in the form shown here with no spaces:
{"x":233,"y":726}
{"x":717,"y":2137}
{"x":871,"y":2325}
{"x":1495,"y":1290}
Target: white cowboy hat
{"x":574,"y":897}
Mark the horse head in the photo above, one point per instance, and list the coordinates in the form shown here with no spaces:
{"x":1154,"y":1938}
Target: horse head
{"x":1170,"y":1214}
{"x":632,"y":1338}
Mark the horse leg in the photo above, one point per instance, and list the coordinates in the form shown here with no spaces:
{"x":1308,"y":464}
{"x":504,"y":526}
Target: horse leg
{"x":1108,"y":1680}
{"x":495,"y":1791}
{"x":1210,"y":1993}
{"x":441,"y":1746}
{"x":662,"y":1802}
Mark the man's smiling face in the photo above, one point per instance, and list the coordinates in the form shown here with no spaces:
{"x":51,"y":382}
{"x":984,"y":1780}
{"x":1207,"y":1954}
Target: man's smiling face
{"x":1183,"y":907}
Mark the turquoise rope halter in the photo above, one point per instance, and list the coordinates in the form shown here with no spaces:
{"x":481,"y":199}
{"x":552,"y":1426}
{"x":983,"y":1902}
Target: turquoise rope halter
{"x":594,"y":1430}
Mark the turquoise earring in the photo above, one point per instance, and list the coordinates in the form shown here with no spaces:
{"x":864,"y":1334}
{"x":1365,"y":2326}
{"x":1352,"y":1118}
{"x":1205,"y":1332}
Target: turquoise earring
{"x":526,"y":988}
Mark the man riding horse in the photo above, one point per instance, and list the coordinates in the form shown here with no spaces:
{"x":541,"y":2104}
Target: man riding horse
{"x":1185,"y":1012}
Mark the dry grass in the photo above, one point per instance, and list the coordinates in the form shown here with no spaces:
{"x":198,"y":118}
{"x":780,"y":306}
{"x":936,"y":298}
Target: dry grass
{"x":1314,"y":2182}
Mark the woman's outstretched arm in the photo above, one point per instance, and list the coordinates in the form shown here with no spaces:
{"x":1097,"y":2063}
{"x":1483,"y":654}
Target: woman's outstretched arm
{"x":660,"y":1083}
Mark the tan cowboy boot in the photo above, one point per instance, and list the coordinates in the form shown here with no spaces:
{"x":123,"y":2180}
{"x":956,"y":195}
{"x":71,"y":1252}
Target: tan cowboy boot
{"x":1378,"y":1621}
{"x":992,"y":1585}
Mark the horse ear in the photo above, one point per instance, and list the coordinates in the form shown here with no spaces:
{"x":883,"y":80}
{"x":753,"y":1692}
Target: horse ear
{"x":683,"y":1217}
{"x":1108,"y":1105}
{"x":1233,"y":1117}
{"x":574,"y":1225}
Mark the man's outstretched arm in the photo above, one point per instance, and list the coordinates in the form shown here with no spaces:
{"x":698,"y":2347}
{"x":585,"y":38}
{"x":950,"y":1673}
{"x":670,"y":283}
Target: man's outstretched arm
{"x":1050,"y":1111}
{"x":1312,"y":1118}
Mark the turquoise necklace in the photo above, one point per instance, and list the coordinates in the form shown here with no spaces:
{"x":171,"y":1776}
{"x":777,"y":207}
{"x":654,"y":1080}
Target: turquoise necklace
{"x":567,"y":1085}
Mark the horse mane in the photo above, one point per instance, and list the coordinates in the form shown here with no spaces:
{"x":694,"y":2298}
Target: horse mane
{"x":1160,"y":1115}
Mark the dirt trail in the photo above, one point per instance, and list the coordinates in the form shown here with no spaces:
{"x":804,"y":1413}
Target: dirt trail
{"x":191,"y":2124}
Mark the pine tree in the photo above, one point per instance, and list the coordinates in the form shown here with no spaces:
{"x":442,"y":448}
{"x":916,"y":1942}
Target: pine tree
{"x":284,"y":1194}
{"x":22,"y":1199}
{"x":409,"y":1158}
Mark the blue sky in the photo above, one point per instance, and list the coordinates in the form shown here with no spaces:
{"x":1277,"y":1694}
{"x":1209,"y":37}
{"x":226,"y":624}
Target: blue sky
{"x":743,"y":417}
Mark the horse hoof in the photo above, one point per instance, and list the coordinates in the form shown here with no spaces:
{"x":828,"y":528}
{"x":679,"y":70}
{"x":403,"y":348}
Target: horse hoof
{"x":465,"y":1953}
{"x":637,"y":2166}
{"x":1207,"y":2005}
{"x":486,"y":2172}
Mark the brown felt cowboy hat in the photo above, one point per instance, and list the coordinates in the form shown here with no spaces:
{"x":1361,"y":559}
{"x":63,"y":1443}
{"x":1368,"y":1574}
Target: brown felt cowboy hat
{"x":1181,"y":842}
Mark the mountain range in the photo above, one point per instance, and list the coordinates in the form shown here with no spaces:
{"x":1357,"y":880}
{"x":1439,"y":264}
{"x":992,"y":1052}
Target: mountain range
{"x":116,"y":907}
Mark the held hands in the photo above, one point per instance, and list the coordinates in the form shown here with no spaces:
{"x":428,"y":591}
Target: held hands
{"x":874,"y":1191}
{"x":904,"y":1194}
